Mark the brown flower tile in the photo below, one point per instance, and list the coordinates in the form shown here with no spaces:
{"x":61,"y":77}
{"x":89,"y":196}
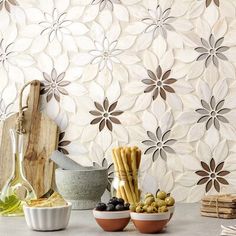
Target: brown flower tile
{"x":212,"y":175}
{"x":159,"y":144}
{"x":211,"y":51}
{"x":106,"y":115}
{"x":63,"y":144}
{"x":159,"y":84}
{"x":7,"y":4}
{"x":216,"y":2}
{"x":54,"y":85}
{"x":212,"y":113}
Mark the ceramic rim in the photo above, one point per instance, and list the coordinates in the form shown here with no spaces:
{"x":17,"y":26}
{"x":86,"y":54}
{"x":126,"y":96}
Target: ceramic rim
{"x":150,"y":216}
{"x":111,"y":214}
{"x":69,"y":204}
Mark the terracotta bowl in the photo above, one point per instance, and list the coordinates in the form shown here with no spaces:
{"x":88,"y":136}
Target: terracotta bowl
{"x":150,"y":223}
{"x":112,"y":220}
{"x":171,"y":210}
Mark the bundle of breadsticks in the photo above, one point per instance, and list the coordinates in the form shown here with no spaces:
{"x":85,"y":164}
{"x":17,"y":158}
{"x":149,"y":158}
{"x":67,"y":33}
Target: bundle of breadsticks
{"x":126,"y":163}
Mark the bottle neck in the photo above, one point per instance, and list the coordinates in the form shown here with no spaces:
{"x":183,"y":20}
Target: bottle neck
{"x":17,"y":150}
{"x":17,"y":170}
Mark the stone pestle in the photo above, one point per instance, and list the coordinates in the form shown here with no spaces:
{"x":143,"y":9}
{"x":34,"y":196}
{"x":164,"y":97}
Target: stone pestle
{"x":67,"y":163}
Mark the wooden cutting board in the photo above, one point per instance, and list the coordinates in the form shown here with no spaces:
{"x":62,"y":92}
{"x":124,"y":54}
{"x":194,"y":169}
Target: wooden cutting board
{"x":40,"y":140}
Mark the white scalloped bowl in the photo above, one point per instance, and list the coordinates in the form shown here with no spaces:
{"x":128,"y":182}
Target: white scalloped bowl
{"x":47,"y":218}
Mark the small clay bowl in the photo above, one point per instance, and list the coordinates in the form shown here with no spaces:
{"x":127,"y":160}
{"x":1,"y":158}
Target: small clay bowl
{"x":171,"y":210}
{"x":112,"y":221}
{"x":150,"y":223}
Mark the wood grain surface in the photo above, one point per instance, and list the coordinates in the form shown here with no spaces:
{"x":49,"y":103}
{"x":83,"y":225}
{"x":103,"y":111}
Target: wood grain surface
{"x":219,"y":204}
{"x":220,"y":210}
{"x":220,"y":198}
{"x":220,"y":215}
{"x":40,"y":140}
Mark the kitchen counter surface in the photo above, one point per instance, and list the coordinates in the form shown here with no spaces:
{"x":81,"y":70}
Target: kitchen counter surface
{"x":185,"y":222}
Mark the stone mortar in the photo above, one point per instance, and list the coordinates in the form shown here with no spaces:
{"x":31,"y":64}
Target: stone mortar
{"x":83,"y":188}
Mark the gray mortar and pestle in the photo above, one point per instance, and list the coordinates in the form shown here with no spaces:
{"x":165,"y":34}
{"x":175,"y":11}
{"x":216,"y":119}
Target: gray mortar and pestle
{"x":80,"y":185}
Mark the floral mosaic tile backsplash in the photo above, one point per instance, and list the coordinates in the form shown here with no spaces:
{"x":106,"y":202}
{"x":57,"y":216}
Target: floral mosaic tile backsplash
{"x":157,"y":74}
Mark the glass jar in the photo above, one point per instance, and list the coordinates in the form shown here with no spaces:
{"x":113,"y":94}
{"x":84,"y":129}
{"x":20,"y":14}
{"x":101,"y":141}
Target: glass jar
{"x":16,"y":189}
{"x":126,"y":186}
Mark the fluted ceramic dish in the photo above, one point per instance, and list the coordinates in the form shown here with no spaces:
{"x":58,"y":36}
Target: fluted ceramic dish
{"x":47,"y":218}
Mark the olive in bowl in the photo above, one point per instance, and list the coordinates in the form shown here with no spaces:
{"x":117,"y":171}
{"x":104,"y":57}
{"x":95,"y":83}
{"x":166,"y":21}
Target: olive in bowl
{"x":167,"y":200}
{"x":113,"y":216}
{"x":149,"y":216}
{"x":153,"y":213}
{"x":170,"y":203}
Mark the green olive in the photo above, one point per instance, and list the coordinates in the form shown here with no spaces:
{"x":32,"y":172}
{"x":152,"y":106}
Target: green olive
{"x":155,"y":209}
{"x":150,"y":209}
{"x":161,"y":203}
{"x":157,"y":199}
{"x":145,"y":208}
{"x":162,"y":209}
{"x":132,"y":207}
{"x":149,"y":200}
{"x":170,"y":201}
{"x":139,"y":209}
{"x":162,"y":195}
{"x":155,"y":204}
{"x":140,"y":204}
{"x":147,"y":195}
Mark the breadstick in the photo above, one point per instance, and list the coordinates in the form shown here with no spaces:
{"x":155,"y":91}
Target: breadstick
{"x":129,"y":161}
{"x":128,"y":173}
{"x":138,"y":164}
{"x":123,"y":174}
{"x":120,"y":189}
{"x":118,"y":194}
{"x":138,"y":158}
{"x":128,"y":156}
{"x":124,"y":194}
{"x":139,"y":194}
{"x":134,"y":170}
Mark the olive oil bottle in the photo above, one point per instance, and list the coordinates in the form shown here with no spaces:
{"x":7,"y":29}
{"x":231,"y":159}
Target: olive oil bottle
{"x":16,"y":189}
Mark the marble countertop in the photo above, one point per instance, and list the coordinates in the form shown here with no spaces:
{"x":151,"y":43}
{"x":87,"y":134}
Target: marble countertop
{"x":185,"y":222}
